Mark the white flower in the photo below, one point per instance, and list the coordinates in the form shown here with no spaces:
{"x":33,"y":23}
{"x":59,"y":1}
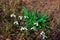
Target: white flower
{"x":36,"y":24}
{"x":16,"y":22}
{"x":23,"y":28}
{"x":32,"y":28}
{"x":43,"y":35}
{"x":25,"y":16}
{"x":13,"y":15}
{"x":20,"y":17}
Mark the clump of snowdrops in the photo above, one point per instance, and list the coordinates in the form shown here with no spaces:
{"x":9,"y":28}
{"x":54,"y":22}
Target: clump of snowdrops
{"x":32,"y":21}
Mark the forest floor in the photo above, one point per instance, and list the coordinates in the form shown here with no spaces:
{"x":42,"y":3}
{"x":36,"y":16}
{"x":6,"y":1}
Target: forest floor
{"x":50,"y":7}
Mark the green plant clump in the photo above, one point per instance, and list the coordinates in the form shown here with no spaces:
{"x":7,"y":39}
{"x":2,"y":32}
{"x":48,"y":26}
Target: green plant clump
{"x":36,"y":21}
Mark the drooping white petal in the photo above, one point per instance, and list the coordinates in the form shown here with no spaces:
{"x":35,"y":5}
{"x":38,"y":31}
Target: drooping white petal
{"x":16,"y":22}
{"x":32,"y":28}
{"x":25,"y":16}
{"x":23,"y":28}
{"x":20,"y":17}
{"x":36,"y":24}
{"x":43,"y":35}
{"x":13,"y":15}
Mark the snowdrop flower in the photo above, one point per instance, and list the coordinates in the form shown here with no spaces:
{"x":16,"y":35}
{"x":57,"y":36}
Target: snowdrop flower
{"x":16,"y":22}
{"x":25,"y":16}
{"x":43,"y":35}
{"x":13,"y":15}
{"x":36,"y":24}
{"x":23,"y":28}
{"x":20,"y":17}
{"x":32,"y":28}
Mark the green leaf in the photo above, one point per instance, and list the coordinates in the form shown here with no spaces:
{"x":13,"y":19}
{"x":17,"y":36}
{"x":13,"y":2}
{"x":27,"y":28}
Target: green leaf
{"x":29,"y":25}
{"x":33,"y":15}
{"x":30,"y":15}
{"x":43,"y":25}
{"x":33,"y":18}
{"x":25,"y":11}
{"x":35,"y":28}
{"x":40,"y":20}
{"x":43,"y":15}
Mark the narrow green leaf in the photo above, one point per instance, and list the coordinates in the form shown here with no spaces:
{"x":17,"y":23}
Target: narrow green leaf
{"x":25,"y":11}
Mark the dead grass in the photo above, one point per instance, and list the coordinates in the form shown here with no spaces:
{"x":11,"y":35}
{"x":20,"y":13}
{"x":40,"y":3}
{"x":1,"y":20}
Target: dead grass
{"x":7,"y":7}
